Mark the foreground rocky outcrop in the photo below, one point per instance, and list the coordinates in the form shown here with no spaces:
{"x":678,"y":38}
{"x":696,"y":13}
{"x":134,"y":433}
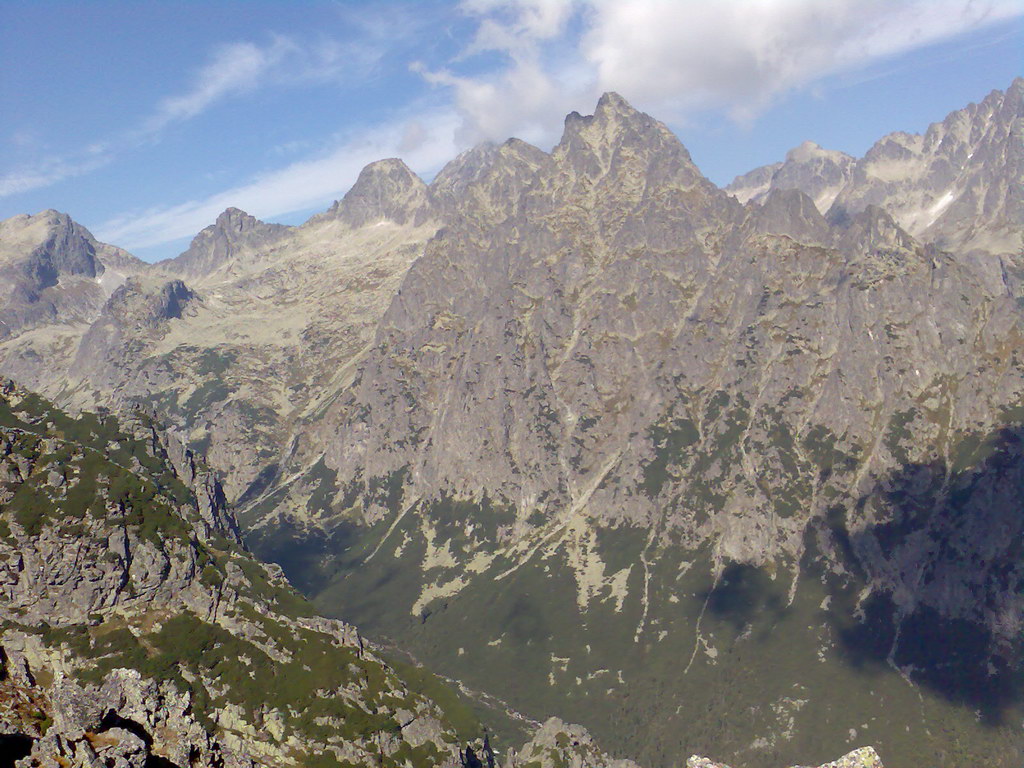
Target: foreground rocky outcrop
{"x":134,"y":627}
{"x":557,"y":744}
{"x":865,"y":757}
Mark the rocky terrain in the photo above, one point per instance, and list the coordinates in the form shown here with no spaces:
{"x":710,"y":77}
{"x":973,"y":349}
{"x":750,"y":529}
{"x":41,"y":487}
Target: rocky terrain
{"x":865,"y":757}
{"x":705,"y":470}
{"x":135,"y":630}
{"x":241,"y":340}
{"x":957,"y":185}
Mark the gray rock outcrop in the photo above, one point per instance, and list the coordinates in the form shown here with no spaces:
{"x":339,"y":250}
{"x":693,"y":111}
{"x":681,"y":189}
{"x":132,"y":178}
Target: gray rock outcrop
{"x":135,"y":629}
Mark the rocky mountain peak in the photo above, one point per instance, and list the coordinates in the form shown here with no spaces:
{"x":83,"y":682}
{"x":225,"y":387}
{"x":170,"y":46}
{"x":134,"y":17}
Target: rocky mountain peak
{"x":612,"y":106}
{"x":234,"y":234}
{"x":613,"y":123}
{"x":386,"y":190}
{"x":48,"y":265}
{"x":487,"y":180}
{"x":820,"y":173}
{"x":809,"y":150}
{"x":54,"y":243}
{"x":1015,"y":92}
{"x":237,"y":220}
{"x":480,"y":161}
{"x":627,"y":153}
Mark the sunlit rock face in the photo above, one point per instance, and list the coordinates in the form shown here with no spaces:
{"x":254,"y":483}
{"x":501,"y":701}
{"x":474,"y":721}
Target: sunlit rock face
{"x":957,"y":185}
{"x":705,"y":470}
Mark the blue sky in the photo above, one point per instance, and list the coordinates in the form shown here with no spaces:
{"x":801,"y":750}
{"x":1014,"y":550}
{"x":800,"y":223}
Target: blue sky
{"x":143,"y":120}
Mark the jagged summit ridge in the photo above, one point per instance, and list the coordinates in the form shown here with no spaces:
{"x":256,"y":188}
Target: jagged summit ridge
{"x":618,"y":136}
{"x":958,"y":184}
{"x":235,"y":234}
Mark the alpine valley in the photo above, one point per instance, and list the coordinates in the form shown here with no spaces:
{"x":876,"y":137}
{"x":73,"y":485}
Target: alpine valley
{"x":736,"y":472}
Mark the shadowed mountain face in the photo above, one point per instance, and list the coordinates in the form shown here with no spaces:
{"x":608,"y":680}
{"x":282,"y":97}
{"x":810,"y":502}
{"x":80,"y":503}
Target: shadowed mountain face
{"x":53,"y":271}
{"x":585,"y":431}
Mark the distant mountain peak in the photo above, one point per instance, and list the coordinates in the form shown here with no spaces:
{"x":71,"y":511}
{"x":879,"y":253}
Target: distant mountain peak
{"x":233,"y":215}
{"x":957,"y":184}
{"x":820,"y":173}
{"x":386,"y":190}
{"x":55,"y":245}
{"x":233,"y":233}
{"x":809,"y":151}
{"x":612,"y":103}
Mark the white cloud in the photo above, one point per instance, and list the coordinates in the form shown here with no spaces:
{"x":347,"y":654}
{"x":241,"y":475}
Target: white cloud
{"x":233,"y":69}
{"x":674,"y":57}
{"x":744,"y":54}
{"x":520,"y":101}
{"x":521,"y":98}
{"x":299,"y":186}
{"x":507,"y":25}
{"x":239,"y":68}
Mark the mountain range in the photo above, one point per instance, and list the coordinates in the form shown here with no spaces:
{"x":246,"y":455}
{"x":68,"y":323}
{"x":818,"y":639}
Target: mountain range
{"x":733,"y":471}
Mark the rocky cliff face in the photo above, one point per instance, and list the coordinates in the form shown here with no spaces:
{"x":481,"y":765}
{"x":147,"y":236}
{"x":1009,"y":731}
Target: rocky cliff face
{"x":622,"y":412}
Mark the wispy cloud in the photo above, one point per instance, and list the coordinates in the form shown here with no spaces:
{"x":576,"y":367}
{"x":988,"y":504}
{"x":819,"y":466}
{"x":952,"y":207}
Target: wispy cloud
{"x":239,"y":68}
{"x":232,"y":70}
{"x":424,"y":142}
{"x":53,"y":169}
